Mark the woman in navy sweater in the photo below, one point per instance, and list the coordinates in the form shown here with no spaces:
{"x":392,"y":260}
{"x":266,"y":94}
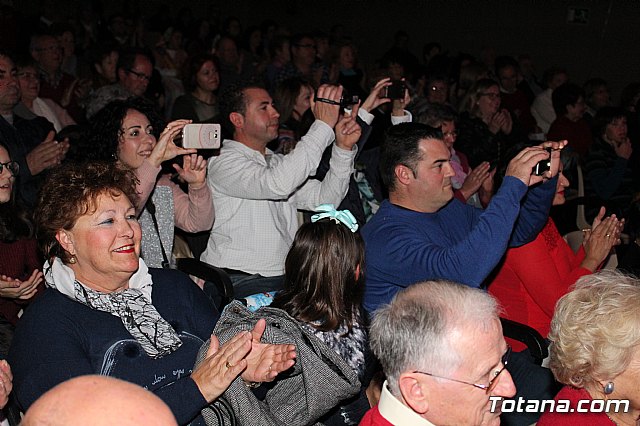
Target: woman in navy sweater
{"x":104,"y":312}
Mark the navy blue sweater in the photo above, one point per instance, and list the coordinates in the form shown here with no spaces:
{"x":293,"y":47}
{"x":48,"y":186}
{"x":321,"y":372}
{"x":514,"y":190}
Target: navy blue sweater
{"x":459,"y":242}
{"x":58,"y":338}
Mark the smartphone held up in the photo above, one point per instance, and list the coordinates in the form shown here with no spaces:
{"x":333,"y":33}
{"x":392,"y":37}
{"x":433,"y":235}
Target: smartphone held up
{"x":201,"y":136}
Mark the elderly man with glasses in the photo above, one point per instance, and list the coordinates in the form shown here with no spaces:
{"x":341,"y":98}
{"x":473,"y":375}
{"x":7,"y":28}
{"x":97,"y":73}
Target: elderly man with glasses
{"x":134,"y":71}
{"x":442,"y":350}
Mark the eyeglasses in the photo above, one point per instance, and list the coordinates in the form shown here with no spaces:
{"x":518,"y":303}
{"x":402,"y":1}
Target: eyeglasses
{"x":308,"y":46}
{"x":139,"y":75}
{"x":12,"y":166}
{"x":491,"y":95}
{"x":492,"y":383}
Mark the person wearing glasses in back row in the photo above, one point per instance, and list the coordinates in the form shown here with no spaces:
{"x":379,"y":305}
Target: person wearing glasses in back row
{"x":134,"y":71}
{"x":303,"y":62}
{"x":441,"y":348}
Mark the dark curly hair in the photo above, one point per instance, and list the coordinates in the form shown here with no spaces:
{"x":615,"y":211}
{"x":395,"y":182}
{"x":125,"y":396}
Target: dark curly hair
{"x":320,"y":281}
{"x":71,"y":191}
{"x":105,"y":129}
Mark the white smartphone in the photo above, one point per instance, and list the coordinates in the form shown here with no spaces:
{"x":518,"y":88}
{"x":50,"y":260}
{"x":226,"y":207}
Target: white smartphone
{"x":201,"y":136}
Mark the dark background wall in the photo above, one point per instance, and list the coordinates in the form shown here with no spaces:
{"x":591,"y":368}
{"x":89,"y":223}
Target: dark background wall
{"x":605,"y":46}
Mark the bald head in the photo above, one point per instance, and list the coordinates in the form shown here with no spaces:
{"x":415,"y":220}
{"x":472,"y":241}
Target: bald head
{"x":98,"y":400}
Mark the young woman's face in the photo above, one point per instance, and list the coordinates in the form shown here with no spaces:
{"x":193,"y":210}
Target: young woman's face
{"x":616,"y":131}
{"x":6,"y":178}
{"x":303,"y":101}
{"x":207,"y":78}
{"x":136,"y":139}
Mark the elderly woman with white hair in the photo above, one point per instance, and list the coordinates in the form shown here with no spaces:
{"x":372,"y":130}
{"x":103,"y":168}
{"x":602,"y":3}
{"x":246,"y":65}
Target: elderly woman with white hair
{"x":595,"y":351}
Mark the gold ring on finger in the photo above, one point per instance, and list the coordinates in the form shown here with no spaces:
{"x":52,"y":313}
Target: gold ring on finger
{"x":607,"y":235}
{"x":228,"y":364}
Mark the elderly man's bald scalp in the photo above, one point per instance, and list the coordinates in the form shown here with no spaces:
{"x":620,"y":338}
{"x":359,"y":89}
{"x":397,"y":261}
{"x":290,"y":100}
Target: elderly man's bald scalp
{"x":98,"y":400}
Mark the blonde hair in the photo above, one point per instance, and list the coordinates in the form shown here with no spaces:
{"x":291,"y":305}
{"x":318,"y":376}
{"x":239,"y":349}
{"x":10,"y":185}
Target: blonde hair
{"x":595,"y":329}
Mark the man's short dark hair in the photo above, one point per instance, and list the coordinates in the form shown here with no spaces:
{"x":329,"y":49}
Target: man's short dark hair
{"x":233,"y":99}
{"x":401,"y":147}
{"x":127,"y":58}
{"x":565,"y":95}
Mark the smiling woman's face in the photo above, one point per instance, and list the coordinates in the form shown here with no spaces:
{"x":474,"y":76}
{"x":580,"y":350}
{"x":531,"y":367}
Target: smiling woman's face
{"x":105,"y":243}
{"x":136,"y":140}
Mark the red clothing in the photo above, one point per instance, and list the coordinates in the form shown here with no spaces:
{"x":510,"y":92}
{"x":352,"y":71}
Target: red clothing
{"x":534,"y":276}
{"x":574,"y":419}
{"x":577,"y":133}
{"x":17,"y":260}
{"x":374,"y":418}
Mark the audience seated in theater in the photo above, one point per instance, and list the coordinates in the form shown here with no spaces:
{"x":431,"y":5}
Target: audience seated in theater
{"x":596,"y":95}
{"x":280,"y":53}
{"x":99,"y":401}
{"x":293,"y":98}
{"x":534,"y":276}
{"x":29,"y":81}
{"x":514,"y":99}
{"x":570,"y":125}
{"x":134,"y":69}
{"x":303,"y":64}
{"x":30,"y":142}
{"x":233,"y":67}
{"x":20,"y":263}
{"x":55,"y":84}
{"x":129,"y":133}
{"x":442,"y":351}
{"x":201,"y":81}
{"x":257,"y":193}
{"x":323,"y":284}
{"x":595,"y":351}
{"x":610,"y":175}
{"x":420,"y":233}
{"x":350,"y":75}
{"x":485,"y":132}
{"x":105,"y":312}
{"x":470,"y":186}
{"x":542,"y":108}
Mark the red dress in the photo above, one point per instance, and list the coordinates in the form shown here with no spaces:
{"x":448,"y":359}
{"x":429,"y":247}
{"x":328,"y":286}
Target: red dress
{"x":533,"y":278}
{"x":574,"y":418}
{"x":18,"y":260}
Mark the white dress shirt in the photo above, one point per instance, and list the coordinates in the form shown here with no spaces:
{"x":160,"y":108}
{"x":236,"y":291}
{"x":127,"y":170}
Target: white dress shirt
{"x":256,"y":198}
{"x":396,"y":412}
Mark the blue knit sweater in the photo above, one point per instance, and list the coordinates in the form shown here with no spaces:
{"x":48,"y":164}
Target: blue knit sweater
{"x":459,"y":242}
{"x":58,"y":338}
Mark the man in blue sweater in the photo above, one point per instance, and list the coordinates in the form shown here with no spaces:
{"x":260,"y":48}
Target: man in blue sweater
{"x":422,"y":233}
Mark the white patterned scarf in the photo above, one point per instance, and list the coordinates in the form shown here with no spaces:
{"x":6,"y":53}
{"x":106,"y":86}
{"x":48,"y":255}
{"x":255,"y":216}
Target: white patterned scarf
{"x":133,"y":306}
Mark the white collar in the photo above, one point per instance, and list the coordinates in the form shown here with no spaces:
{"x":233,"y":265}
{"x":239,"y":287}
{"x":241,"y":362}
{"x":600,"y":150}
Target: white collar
{"x":396,"y":412}
{"x":61,"y":277}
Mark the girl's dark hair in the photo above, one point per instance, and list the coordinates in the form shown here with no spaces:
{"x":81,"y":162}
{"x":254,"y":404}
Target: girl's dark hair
{"x":285,"y":96}
{"x":103,"y":135}
{"x":71,"y":191}
{"x":15,"y":223}
{"x":320,"y":285}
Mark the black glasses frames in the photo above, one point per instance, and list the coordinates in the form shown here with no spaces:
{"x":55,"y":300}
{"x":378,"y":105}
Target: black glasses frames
{"x":12,"y":166}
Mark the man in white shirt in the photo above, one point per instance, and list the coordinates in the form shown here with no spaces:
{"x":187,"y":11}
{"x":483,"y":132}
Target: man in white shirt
{"x":441,"y":347}
{"x":256,"y":193}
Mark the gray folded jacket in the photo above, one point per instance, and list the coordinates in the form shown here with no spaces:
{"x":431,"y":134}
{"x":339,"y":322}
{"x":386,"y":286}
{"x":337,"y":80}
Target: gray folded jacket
{"x":318,"y":381}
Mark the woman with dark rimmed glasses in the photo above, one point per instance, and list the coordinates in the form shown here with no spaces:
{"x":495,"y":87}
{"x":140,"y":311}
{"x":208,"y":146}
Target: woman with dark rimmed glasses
{"x":20,"y":275}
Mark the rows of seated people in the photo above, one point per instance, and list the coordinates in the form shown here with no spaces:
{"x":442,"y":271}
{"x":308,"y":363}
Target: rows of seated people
{"x":337,"y":188}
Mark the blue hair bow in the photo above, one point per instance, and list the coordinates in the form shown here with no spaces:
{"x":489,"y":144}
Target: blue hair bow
{"x":339,"y":216}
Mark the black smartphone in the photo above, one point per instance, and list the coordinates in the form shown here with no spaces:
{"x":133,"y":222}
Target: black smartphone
{"x":543,"y":165}
{"x":395,"y":91}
